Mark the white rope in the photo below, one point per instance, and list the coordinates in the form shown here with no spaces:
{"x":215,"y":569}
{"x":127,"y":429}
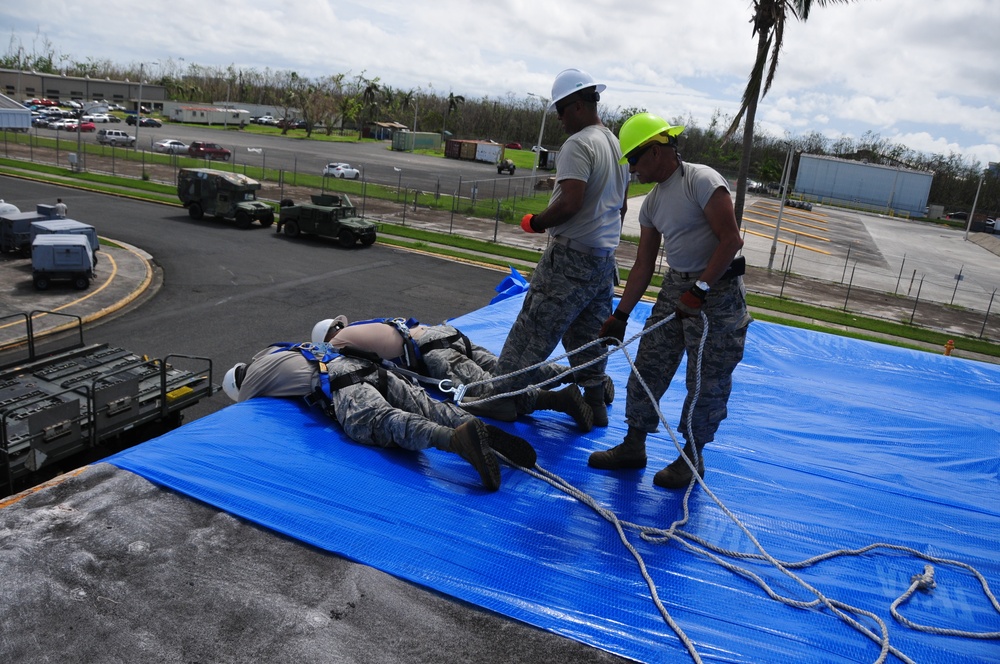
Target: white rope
{"x":570,"y":370}
{"x":701,"y":547}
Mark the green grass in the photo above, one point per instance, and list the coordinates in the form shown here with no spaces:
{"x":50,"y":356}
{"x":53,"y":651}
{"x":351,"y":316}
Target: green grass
{"x":479,"y":251}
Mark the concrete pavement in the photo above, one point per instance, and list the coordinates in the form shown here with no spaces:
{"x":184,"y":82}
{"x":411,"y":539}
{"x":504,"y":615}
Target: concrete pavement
{"x":123,"y":274}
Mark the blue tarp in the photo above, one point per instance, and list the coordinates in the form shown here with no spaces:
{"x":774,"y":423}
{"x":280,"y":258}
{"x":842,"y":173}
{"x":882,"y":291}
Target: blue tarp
{"x":830,"y":444}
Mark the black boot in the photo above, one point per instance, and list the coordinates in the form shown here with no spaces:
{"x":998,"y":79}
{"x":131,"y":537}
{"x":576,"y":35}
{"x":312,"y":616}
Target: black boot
{"x":499,"y":409}
{"x":470,"y":441}
{"x":609,"y":390}
{"x":568,"y":400}
{"x":678,"y":474}
{"x":594,"y":396}
{"x":516,"y":449}
{"x":629,"y":455}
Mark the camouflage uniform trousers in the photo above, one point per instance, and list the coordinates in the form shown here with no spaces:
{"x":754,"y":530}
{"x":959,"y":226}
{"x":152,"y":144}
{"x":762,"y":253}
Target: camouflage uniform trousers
{"x":406,"y":417}
{"x":453,"y":362}
{"x":568,"y":300}
{"x":660,"y":354}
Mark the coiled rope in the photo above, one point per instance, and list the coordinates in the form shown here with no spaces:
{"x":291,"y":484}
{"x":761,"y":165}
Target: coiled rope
{"x":922,"y":581}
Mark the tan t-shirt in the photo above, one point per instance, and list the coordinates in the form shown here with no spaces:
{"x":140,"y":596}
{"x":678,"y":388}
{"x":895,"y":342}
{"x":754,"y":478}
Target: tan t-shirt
{"x":281,"y":374}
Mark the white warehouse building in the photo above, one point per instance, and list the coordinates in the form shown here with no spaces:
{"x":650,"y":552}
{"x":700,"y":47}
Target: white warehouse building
{"x":889,"y":189}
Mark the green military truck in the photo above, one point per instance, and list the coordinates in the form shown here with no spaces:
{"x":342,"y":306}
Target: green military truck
{"x":329,"y":215}
{"x":223,"y":195}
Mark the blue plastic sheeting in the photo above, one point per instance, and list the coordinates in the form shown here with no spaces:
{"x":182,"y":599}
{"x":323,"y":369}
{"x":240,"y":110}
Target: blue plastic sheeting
{"x":830,"y":444}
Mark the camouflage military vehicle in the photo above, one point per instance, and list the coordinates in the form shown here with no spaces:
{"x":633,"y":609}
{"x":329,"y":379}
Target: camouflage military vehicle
{"x":328,"y":215}
{"x":222,"y":195}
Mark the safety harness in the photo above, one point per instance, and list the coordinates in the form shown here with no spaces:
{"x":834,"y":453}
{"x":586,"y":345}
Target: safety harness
{"x":322,"y":356}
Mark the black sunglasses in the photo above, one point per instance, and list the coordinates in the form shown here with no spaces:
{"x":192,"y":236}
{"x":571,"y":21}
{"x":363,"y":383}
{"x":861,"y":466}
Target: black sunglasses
{"x":563,"y":104}
{"x":634,"y":158}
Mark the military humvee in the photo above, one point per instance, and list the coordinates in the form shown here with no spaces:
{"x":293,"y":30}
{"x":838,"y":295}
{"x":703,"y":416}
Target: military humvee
{"x":223,"y":195}
{"x":329,"y":215}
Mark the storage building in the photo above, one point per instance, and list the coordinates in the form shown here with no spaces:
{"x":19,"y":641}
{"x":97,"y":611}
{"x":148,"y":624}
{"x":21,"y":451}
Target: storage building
{"x":888,"y":189}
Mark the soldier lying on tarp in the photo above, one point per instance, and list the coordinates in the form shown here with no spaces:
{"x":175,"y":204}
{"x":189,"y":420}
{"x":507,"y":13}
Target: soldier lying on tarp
{"x":376,"y":407}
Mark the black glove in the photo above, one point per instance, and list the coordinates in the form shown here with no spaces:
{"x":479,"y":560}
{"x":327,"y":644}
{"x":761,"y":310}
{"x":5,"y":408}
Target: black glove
{"x":689,"y":304}
{"x":614,"y":327}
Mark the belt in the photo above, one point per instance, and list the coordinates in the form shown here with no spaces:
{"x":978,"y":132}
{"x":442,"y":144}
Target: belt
{"x":582,"y":248}
{"x":736,"y":269}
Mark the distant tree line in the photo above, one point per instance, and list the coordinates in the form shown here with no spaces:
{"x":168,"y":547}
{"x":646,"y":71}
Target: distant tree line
{"x":348,"y":102}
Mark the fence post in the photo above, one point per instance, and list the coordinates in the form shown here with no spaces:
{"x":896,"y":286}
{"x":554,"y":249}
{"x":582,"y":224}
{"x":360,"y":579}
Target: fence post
{"x":987,"y":316}
{"x":958,"y":280}
{"x":496,"y":223}
{"x":850,"y":284}
{"x":916,"y":299}
{"x":846,"y":260}
{"x":900,"y":277}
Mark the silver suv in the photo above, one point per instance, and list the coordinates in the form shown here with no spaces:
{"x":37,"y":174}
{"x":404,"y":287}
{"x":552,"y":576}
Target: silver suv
{"x":114,"y":137}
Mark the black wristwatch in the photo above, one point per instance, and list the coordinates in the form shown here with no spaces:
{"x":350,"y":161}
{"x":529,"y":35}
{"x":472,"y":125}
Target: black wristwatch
{"x":700,"y":290}
{"x":620,"y":315}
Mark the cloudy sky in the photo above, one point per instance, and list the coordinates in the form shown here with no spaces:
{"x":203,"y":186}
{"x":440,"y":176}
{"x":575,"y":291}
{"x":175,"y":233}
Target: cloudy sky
{"x":925,"y":73}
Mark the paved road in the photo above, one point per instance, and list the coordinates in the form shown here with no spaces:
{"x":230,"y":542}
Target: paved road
{"x":378,"y":163}
{"x":885,"y":254}
{"x":226,"y":293}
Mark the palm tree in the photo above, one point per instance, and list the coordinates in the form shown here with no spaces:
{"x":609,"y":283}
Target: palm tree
{"x":369,"y":99}
{"x":454,"y":101}
{"x":769,"y":26}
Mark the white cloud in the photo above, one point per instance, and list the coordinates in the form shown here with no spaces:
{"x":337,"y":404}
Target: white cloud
{"x":923,"y":71}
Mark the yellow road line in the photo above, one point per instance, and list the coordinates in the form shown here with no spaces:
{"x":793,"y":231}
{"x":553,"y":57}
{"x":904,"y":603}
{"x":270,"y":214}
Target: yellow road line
{"x":784,"y":241}
{"x":107,"y":282}
{"x":790,"y":220}
{"x":790,"y":230}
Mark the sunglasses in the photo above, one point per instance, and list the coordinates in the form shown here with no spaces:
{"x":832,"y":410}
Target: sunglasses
{"x":636,"y":155}
{"x":563,"y":104}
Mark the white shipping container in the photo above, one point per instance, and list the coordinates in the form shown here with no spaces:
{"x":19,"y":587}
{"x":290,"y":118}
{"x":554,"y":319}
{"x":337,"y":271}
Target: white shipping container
{"x":491,"y":153}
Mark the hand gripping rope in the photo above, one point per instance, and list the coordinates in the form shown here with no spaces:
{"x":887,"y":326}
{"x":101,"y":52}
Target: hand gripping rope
{"x":696,"y":545}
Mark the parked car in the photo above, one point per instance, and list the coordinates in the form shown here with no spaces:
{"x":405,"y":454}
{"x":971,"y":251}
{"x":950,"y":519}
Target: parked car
{"x":62,"y":124}
{"x":82,"y":126}
{"x":97,"y":117}
{"x":150,"y":122}
{"x":170,"y":146}
{"x":341,"y":170}
{"x":114,"y":137}
{"x":514,"y":146}
{"x":961,"y":216}
{"x":206,"y":150}
{"x":992,"y":226}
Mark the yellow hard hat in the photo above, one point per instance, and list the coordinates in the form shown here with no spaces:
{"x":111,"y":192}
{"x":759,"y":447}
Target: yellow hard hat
{"x":641,"y":128}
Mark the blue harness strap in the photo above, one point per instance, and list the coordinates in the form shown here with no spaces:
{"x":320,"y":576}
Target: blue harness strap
{"x":323,"y":355}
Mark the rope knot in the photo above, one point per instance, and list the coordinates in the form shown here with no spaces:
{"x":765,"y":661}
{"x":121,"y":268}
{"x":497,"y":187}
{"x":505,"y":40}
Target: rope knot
{"x":925,"y":581}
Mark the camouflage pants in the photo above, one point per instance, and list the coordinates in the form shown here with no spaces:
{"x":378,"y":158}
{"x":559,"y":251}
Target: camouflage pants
{"x":568,"y":300}
{"x":660,"y":354}
{"x":406,"y":417}
{"x":454,"y":363}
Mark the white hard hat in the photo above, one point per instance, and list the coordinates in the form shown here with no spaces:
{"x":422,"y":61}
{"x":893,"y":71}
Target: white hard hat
{"x":321,"y":328}
{"x":229,"y":382}
{"x":572,"y":80}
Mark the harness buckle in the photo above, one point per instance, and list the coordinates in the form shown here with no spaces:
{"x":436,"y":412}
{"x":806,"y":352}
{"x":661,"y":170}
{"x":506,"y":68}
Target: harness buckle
{"x":448,"y":387}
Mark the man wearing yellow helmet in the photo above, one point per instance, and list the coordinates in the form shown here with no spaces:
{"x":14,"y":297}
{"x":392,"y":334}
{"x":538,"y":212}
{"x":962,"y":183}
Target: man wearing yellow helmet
{"x":691,"y":210}
{"x":572,"y":286}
